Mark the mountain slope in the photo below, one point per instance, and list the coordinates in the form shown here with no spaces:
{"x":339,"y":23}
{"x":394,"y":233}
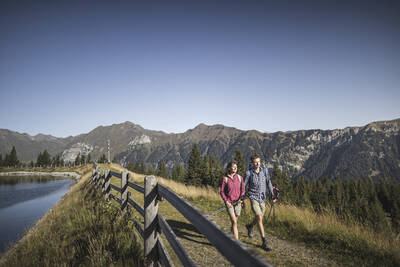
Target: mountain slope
{"x":369,"y":151}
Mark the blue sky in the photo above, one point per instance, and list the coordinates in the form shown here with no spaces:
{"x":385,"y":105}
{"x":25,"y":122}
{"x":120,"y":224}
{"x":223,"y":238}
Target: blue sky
{"x":67,"y":67}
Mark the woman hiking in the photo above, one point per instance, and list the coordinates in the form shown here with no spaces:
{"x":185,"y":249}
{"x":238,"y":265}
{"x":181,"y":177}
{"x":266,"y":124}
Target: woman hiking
{"x":232,"y":190}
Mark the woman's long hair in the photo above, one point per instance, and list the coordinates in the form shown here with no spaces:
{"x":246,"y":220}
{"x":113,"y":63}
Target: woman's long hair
{"x":229,"y":166}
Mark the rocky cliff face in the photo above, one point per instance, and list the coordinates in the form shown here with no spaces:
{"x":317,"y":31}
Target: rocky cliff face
{"x":369,"y":151}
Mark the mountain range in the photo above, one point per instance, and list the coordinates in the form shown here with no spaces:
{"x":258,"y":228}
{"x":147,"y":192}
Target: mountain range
{"x":372,"y":150}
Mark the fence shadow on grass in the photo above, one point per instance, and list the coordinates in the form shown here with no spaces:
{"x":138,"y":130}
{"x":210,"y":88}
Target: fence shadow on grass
{"x":183,"y":230}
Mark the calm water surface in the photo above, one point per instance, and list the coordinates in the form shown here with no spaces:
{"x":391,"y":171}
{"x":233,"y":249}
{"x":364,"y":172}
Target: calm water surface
{"x":23,"y":201}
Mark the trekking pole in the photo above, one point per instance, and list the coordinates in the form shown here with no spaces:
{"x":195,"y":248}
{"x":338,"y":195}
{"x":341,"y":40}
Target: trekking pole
{"x":276,"y":194}
{"x":272,"y":206}
{"x":218,"y":211}
{"x":224,"y":207}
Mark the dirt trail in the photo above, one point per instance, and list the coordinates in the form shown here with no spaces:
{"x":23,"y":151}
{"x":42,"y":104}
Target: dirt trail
{"x":284,"y":252}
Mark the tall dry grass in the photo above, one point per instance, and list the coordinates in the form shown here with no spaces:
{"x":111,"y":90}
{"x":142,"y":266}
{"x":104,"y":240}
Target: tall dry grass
{"x":187,"y":191}
{"x":350,"y":241}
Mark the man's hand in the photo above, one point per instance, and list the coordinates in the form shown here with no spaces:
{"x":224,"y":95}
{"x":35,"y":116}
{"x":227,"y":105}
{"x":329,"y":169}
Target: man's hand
{"x":228,"y":204}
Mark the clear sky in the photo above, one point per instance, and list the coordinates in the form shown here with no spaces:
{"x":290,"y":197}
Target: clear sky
{"x":67,"y":67}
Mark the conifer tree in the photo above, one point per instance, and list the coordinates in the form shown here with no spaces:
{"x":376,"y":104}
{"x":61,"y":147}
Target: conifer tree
{"x":282,"y":181}
{"x":89,"y":158}
{"x":6,"y":162}
{"x":136,"y":168}
{"x":39,"y":160}
{"x":57,"y":160}
{"x":319,"y":193}
{"x":216,"y":171}
{"x":141,"y":168}
{"x":395,"y":216}
{"x":206,"y":178}
{"x":31,"y":164}
{"x":12,"y":158}
{"x":376,"y":215}
{"x":361,"y":207}
{"x":149,"y":169}
{"x":78,"y":160}
{"x":394,"y":195}
{"x":383,"y":194}
{"x":130,"y":167}
{"x":241,"y":164}
{"x":302,"y":190}
{"x":1,"y":160}
{"x":162,"y":170}
{"x":43,"y":159}
{"x":82,"y":160}
{"x":46,"y":158}
{"x":102,"y":159}
{"x":315,"y":195}
{"x":337,"y":196}
{"x":178,"y":173}
{"x":194,"y":169}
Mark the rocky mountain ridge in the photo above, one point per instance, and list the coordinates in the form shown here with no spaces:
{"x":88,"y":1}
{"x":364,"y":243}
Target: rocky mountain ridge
{"x":368,"y":151}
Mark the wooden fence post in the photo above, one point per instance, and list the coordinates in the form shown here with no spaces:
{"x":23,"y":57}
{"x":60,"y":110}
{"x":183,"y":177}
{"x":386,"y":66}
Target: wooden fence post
{"x":103,"y":181}
{"x":98,"y":181}
{"x":124,"y":192}
{"x":151,"y":235}
{"x":106,"y":185}
{"x":98,"y":178}
{"x":96,"y":174}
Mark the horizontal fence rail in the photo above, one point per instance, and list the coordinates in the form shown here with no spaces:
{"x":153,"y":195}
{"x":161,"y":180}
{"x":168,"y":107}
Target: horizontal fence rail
{"x":154,"y":222}
{"x":136,"y":206}
{"x":116,"y":198}
{"x":136,"y":187}
{"x":116,"y":174}
{"x":116,"y":188}
{"x":234,"y":252}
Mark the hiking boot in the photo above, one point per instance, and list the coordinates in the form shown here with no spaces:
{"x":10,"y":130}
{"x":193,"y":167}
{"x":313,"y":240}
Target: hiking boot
{"x":249,"y":228}
{"x":265,"y":246}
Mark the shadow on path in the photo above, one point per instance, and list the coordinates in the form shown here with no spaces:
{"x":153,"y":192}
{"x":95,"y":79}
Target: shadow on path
{"x":187,"y":231}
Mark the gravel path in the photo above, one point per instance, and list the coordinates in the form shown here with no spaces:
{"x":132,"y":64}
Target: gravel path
{"x":284,"y":252}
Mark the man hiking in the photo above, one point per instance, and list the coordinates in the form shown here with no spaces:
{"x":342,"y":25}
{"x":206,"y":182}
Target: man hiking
{"x":259,"y":187}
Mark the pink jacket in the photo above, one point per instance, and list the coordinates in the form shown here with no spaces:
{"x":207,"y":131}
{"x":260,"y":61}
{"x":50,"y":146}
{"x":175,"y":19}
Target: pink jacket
{"x":233,"y":190}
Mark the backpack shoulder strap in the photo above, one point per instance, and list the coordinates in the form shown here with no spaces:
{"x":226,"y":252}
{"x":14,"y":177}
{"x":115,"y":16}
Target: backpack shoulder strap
{"x":266,"y":173}
{"x":240,"y":177}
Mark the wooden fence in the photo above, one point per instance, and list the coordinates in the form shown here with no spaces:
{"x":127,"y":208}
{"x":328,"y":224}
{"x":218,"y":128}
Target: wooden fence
{"x":155,"y":253}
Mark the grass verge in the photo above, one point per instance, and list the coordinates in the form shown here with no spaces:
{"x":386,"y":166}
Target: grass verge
{"x":349,"y":244}
{"x":82,"y":229}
